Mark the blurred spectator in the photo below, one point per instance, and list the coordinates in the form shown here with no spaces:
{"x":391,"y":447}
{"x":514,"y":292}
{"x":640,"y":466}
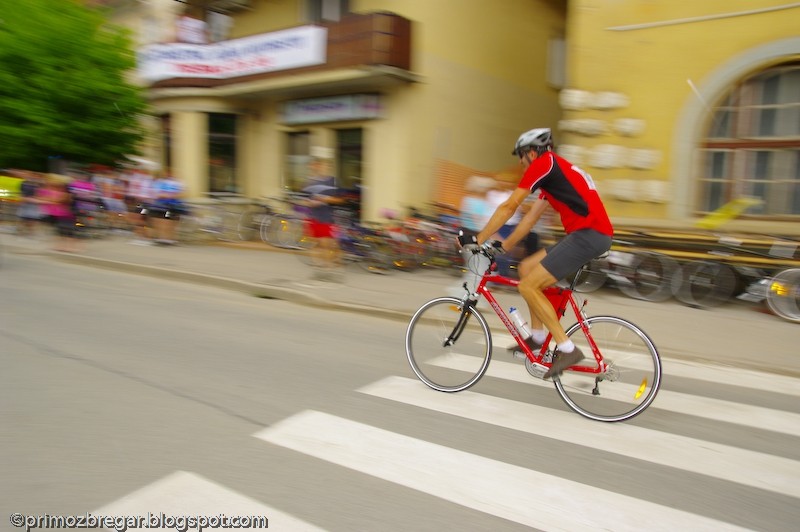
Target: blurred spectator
{"x":138,"y":197}
{"x":323,"y":194}
{"x":167,"y":208}
{"x":85,"y":200}
{"x":30,"y":211}
{"x":497,"y":195}
{"x":494,"y":197}
{"x":56,"y":202}
{"x":112,"y":194}
{"x":475,"y":212}
{"x":474,"y":206}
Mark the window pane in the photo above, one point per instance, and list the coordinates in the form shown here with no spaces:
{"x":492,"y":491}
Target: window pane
{"x":721,"y":125}
{"x":794,"y":193}
{"x":295,"y":169}
{"x":766,"y":123}
{"x":714,"y":194}
{"x":769,"y":91}
{"x":222,"y":153}
{"x":753,"y":144}
{"x":718,"y":168}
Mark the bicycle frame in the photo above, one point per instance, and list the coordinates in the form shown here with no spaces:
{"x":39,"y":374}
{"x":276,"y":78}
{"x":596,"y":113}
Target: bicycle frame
{"x":559,"y":297}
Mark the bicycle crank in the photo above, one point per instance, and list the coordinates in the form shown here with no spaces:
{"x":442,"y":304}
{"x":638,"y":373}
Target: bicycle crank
{"x":535,"y":369}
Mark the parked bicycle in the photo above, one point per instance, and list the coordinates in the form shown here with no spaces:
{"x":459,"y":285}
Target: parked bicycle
{"x":215,"y":218}
{"x":437,"y":231}
{"x":449,"y":347}
{"x":357,"y":245}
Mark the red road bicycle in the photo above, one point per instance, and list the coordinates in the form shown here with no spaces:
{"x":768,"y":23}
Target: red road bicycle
{"x":449,"y":347}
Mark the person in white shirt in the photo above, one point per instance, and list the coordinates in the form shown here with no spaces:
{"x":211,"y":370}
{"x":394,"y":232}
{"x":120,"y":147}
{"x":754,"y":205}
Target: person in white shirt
{"x":497,"y":195}
{"x":138,"y":198}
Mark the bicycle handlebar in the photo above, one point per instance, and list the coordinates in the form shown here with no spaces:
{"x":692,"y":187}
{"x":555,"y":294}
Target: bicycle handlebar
{"x":489,"y":249}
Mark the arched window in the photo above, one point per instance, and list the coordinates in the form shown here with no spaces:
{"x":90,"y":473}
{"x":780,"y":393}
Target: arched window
{"x":753,"y":146}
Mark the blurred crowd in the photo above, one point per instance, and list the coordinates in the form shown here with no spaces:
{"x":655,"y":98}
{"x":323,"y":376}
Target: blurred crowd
{"x":70,"y":206}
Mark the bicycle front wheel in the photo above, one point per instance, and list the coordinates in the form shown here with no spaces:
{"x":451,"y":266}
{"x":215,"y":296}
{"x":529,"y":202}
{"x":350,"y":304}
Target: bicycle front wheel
{"x":448,"y":346}
{"x":783,"y":296}
{"x":632,"y":378}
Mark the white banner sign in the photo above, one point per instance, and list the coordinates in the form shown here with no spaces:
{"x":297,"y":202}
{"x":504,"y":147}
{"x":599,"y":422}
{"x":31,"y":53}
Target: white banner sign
{"x":280,"y":50}
{"x":332,"y":109}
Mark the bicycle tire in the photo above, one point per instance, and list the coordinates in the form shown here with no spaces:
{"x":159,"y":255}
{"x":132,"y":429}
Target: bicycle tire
{"x":630,"y":384}
{"x":227,"y":228}
{"x":409,"y":250}
{"x":309,"y":255}
{"x":649,"y":277}
{"x":374,"y":255}
{"x":783,"y":295}
{"x":593,"y":276}
{"x":285,"y":232}
{"x":704,"y":284}
{"x":448,"y":368}
{"x":188,"y":230}
{"x":248,"y":226}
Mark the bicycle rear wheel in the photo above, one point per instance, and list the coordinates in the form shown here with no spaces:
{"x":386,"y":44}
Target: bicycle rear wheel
{"x":593,"y":276}
{"x":284,"y":232}
{"x":650,"y":277}
{"x":704,"y":284}
{"x":783,"y":295}
{"x":448,"y":366}
{"x":631,"y":381}
{"x":250,"y":221}
{"x":374,"y":255}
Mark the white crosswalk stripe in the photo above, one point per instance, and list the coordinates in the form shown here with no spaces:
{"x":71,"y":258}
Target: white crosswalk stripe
{"x":474,"y":481}
{"x":695,"y":405}
{"x":779,"y":474}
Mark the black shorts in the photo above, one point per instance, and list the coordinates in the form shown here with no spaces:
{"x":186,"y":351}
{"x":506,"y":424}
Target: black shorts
{"x":575,"y":250}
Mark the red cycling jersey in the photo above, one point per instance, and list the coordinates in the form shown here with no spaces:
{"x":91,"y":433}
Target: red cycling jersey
{"x":570,"y":191}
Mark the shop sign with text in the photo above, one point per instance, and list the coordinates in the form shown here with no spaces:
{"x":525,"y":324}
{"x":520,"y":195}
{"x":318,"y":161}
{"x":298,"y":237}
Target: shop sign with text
{"x":332,"y":109}
{"x":280,"y":50}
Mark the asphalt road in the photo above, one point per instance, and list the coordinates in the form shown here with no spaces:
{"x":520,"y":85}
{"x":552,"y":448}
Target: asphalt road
{"x":123,"y":395}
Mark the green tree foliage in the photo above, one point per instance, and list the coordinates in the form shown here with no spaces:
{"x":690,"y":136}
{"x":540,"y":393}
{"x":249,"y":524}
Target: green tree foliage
{"x":63,"y":87}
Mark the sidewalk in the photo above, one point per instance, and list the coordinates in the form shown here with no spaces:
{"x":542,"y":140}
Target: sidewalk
{"x":737,"y":334}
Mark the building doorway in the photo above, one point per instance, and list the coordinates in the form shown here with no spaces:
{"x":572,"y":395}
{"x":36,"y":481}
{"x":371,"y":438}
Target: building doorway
{"x":349,"y":148}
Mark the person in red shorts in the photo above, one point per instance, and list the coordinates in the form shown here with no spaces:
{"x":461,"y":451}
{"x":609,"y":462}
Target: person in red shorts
{"x":573,"y":195}
{"x":322,"y":196}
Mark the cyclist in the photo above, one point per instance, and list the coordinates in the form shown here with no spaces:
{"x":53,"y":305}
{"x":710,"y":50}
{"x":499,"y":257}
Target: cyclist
{"x":323,"y":195}
{"x":572,"y":193}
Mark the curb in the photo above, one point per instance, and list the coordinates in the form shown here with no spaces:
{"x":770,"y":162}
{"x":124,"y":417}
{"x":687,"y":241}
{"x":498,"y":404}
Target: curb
{"x":263,"y":291}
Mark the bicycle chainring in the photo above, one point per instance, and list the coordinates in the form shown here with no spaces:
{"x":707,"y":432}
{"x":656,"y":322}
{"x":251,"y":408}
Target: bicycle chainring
{"x":536,"y":370}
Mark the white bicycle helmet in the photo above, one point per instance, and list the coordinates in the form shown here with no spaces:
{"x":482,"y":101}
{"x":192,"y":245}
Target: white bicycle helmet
{"x":539,"y":139}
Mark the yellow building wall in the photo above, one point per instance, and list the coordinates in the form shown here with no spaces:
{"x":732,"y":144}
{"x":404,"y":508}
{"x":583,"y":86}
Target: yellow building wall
{"x":266,"y":16}
{"x":482,"y":82}
{"x":671,"y":60}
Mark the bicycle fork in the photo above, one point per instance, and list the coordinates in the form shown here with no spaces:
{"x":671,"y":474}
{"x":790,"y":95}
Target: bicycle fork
{"x":460,"y":324}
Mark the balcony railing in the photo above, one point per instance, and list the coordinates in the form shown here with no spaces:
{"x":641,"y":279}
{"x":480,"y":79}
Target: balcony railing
{"x":357,"y":40}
